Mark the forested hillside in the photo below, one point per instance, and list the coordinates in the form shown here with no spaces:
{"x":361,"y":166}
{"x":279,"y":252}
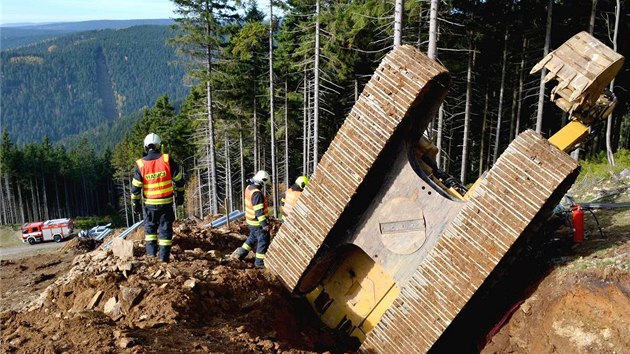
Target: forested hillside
{"x":71,"y":84}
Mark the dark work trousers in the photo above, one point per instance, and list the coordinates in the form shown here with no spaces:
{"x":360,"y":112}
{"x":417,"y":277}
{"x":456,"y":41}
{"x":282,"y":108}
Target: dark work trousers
{"x":260,"y":238}
{"x":159,"y":222}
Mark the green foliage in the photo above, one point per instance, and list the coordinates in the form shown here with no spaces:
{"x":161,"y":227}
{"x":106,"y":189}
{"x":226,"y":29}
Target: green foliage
{"x":86,"y":223}
{"x":598,"y":166}
{"x":10,"y":236}
{"x":174,"y":130}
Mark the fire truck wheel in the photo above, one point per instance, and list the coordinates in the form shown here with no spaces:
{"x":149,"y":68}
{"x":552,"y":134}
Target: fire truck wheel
{"x":31,"y":241}
{"x":57,"y":238}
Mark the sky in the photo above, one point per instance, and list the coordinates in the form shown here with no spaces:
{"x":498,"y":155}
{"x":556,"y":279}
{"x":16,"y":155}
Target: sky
{"x":45,"y":11}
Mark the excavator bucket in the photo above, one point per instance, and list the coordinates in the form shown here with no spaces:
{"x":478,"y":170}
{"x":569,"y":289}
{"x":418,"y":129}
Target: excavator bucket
{"x":583,"y":67}
{"x":379,"y":249}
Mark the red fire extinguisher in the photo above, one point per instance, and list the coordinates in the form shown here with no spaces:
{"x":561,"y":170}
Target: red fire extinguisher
{"x":578,"y":223}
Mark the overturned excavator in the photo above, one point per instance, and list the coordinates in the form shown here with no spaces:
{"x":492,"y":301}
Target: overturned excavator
{"x":389,"y":251}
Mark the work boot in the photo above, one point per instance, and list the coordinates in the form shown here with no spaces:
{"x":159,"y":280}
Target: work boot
{"x":165,"y":253}
{"x":151,"y":247}
{"x":239,"y":253}
{"x":259,"y":263}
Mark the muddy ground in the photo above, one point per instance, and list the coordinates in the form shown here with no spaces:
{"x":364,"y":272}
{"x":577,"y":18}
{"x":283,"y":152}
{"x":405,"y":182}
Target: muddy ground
{"x":84,"y":300}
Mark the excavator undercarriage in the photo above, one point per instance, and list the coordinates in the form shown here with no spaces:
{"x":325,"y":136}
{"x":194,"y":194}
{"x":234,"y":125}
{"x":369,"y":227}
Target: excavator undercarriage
{"x":383,"y":246}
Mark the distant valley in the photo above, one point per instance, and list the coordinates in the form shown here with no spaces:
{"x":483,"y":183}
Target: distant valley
{"x":72,"y":83}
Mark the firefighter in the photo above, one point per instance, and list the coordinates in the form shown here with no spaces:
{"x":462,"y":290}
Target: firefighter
{"x":159,"y":179}
{"x":256,"y":212}
{"x":292,"y":194}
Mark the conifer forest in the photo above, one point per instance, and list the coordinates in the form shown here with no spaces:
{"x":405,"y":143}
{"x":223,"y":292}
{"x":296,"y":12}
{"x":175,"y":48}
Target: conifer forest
{"x":268,"y":88}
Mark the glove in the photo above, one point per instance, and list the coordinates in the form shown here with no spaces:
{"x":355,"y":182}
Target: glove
{"x":179,"y":199}
{"x":137,"y":208}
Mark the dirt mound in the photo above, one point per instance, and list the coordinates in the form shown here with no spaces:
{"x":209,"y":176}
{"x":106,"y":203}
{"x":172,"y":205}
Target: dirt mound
{"x":80,"y":245}
{"x":200,"y":301}
{"x":582,"y":305}
{"x":585,"y":314}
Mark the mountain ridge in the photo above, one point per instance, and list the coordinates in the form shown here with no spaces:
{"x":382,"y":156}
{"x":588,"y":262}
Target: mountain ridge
{"x":18,"y":35}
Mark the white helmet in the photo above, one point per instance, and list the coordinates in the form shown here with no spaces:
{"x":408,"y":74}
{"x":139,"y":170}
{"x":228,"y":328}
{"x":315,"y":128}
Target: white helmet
{"x":262,"y":177}
{"x":152,"y":141}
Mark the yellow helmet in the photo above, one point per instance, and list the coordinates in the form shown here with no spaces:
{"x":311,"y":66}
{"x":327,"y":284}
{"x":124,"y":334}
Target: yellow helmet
{"x":301,"y":181}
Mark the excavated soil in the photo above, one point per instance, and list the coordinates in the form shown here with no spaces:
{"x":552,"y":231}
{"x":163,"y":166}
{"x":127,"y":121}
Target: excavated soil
{"x":571,"y":299}
{"x":581,"y":304}
{"x":200,"y":302}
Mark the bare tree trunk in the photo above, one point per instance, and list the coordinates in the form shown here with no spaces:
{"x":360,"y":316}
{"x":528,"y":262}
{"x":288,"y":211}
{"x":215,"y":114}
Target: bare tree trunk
{"x":240,"y":142}
{"x":305,"y":146}
{"x":212,"y":183}
{"x":35,"y":202}
{"x":609,"y":121}
{"x":432,"y":53}
{"x":8,"y":206}
{"x":316,"y":91}
{"x":3,"y":209}
{"x":125,"y":201}
{"x":501,"y":91}
{"x":200,"y":190}
{"x":471,"y":64}
{"x":432,"y":50}
{"x":286,"y":131}
{"x":209,"y":177}
{"x":19,"y":189}
{"x":438,"y":157}
{"x":482,"y":148}
{"x":513,"y":111}
{"x":591,"y":22}
{"x":274,"y":170}
{"x":228,"y":177}
{"x":309,"y":133}
{"x":519,"y":100}
{"x":398,"y":18}
{"x":46,"y":211}
{"x":543,"y":72}
{"x":256,"y":151}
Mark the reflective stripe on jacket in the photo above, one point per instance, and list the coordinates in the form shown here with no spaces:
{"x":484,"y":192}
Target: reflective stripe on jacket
{"x":290,"y":199}
{"x":157,"y":185}
{"x":255,"y":214}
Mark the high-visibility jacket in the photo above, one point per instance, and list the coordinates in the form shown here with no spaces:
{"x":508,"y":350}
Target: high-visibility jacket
{"x":157,"y":184}
{"x":290,"y":199}
{"x":256,"y":210}
{"x":144,"y":181}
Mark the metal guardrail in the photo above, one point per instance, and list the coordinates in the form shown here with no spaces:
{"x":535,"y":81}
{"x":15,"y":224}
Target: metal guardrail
{"x":124,"y":234}
{"x":604,"y":205}
{"x":236,"y":214}
{"x":102,"y":234}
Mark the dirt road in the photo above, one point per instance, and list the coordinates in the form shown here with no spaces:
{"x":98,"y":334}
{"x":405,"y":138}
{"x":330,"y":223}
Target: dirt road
{"x":27,"y":250}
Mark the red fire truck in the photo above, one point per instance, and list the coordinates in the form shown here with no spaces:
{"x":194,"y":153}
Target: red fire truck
{"x":52,"y":230}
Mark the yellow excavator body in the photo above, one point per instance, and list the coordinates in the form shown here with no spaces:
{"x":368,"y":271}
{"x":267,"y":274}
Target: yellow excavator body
{"x":377,"y":243}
